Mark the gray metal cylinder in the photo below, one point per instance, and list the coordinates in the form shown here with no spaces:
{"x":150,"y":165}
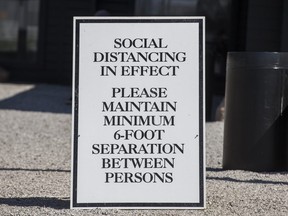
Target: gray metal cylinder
{"x":256,"y":114}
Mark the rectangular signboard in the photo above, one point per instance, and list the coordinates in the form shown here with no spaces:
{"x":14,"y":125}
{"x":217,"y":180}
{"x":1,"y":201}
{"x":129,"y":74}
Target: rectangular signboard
{"x":138,"y":113}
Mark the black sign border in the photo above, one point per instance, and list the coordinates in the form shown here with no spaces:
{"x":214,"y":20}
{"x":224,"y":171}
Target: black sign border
{"x":201,"y":204}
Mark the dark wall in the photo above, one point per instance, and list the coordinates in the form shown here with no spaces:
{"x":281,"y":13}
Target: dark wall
{"x":58,"y":31}
{"x":57,"y":36}
{"x":117,"y":7}
{"x":284,"y":33}
{"x":264,"y":25}
{"x":258,"y":26}
{"x":53,"y":61}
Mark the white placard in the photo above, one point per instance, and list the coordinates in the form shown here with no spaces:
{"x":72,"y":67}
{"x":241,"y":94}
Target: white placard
{"x":138,"y":115}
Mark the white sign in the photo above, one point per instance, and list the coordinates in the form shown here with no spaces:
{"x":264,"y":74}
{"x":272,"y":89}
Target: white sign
{"x":138,"y":121}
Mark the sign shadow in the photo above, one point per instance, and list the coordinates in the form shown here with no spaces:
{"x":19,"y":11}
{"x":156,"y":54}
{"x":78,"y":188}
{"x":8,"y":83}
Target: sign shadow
{"x":47,"y":202}
{"x":40,"y":98}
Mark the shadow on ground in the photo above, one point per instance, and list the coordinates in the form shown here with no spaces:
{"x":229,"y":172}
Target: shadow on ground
{"x":47,"y":202}
{"x":34,"y":170}
{"x":250,"y":181}
{"x":41,"y":98}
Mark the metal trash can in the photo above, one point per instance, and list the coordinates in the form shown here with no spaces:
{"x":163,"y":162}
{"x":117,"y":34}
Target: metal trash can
{"x":256,"y":114}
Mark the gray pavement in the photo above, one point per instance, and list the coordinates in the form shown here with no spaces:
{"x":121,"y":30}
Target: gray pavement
{"x":35,"y":150}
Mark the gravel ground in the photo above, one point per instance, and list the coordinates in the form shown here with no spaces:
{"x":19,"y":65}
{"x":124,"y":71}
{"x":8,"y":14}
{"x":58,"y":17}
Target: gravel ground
{"x":35,"y":163}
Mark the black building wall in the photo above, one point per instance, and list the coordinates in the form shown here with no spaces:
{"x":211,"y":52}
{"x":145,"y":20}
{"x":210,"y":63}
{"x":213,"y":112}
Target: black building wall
{"x":52,"y":62}
{"x":258,"y":26}
{"x":58,"y":31}
{"x":265,"y":25}
{"x":117,"y":7}
{"x":57,"y":36}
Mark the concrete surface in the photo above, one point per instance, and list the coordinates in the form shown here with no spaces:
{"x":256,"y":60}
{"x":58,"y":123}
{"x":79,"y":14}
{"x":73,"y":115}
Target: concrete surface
{"x":35,"y":163}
